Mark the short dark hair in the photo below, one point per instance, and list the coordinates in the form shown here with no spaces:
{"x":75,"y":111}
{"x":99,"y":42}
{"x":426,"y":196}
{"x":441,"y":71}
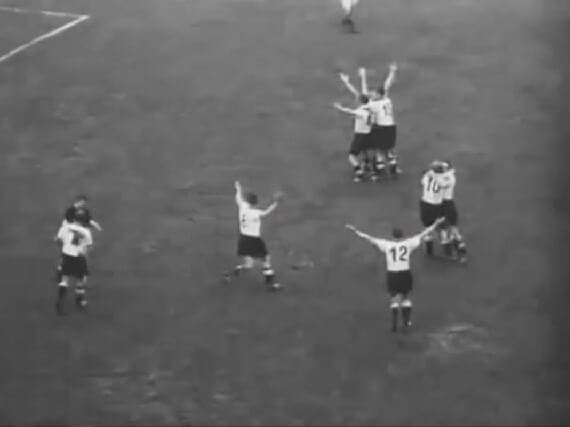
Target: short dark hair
{"x":382,"y":90}
{"x":397,"y":233}
{"x":364,"y":99}
{"x":251,"y":198}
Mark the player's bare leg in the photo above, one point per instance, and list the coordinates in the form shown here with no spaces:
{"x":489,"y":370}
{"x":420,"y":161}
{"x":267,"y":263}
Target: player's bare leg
{"x":446,"y":242}
{"x":459,"y":245}
{"x":269,"y":275}
{"x":245,"y":265}
{"x":393,"y":166}
{"x":357,"y":166}
{"x":395,"y":311}
{"x":62,"y":288}
{"x":380,"y":163}
{"x":406,"y":306}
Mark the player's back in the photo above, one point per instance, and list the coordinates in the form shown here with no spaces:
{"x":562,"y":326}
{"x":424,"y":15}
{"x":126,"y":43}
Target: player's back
{"x":432,"y":191}
{"x":75,"y":239}
{"x":362,"y":119}
{"x":449,"y":181}
{"x":249,"y":220}
{"x":383,"y":111}
{"x":398,"y":252}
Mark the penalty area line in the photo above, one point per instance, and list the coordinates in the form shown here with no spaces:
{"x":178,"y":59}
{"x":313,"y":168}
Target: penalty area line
{"x":77,"y":19}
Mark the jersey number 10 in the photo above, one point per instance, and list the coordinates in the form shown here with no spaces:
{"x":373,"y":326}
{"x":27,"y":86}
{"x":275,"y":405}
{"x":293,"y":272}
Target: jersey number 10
{"x":432,"y":186}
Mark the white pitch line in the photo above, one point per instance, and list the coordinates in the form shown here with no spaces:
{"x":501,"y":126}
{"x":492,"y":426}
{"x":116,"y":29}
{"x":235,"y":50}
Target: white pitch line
{"x":78,"y":20}
{"x":39,"y":12}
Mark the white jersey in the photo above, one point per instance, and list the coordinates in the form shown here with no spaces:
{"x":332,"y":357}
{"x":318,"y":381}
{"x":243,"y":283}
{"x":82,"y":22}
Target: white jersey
{"x":383,"y":112}
{"x":75,"y":239}
{"x":362,"y":120}
{"x":398,"y":253}
{"x":449,"y":181}
{"x":432,"y":191}
{"x":249,"y":220}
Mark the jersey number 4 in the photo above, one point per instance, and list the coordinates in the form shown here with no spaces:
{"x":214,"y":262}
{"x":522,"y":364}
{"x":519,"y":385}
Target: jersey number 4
{"x":399,"y":253}
{"x":77,"y":236}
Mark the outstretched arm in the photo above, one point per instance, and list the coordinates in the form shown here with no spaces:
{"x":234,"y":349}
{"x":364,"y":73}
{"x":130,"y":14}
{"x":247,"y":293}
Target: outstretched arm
{"x":430,"y":229}
{"x":95,"y":225}
{"x":362,"y":235}
{"x":346,"y":80}
{"x":391,"y":77}
{"x":346,"y":110}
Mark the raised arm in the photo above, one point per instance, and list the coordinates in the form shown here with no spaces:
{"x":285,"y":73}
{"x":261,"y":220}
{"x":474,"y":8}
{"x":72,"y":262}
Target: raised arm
{"x":95,"y":225}
{"x":276,"y":197}
{"x":362,"y":235}
{"x":346,"y":80}
{"x":239,"y":193}
{"x":391,"y":77}
{"x":363,"y":80}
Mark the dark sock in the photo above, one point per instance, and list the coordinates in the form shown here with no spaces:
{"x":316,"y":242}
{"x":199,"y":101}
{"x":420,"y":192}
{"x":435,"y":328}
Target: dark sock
{"x":429,"y":248}
{"x":461,"y":249}
{"x":395,"y":311}
{"x":269,"y":276}
{"x":58,"y":275}
{"x":61,"y":292}
{"x":407,"y":315}
{"x":448,"y":249}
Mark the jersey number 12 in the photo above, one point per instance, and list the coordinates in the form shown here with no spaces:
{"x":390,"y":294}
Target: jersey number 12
{"x":399,"y":253}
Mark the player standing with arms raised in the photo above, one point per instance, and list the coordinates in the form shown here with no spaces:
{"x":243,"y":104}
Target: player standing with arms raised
{"x":431,"y":200}
{"x":399,"y":278}
{"x":451,"y":239}
{"x":76,"y":241}
{"x":361,"y":138}
{"x":384,"y":130}
{"x":251,"y":247}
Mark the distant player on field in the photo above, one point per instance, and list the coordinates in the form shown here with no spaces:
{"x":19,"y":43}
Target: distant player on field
{"x":251,"y":247}
{"x":452,"y":241}
{"x":399,"y":275}
{"x":347,"y":21}
{"x":384,"y":130}
{"x":431,"y":200}
{"x":76,"y":241}
{"x":78,"y":209}
{"x":361,"y":138}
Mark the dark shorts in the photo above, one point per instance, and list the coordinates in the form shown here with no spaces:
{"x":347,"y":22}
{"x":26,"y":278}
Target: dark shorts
{"x":360,"y":143}
{"x":253,"y":247}
{"x":429,"y":213}
{"x":450,"y":212}
{"x":75,"y":267}
{"x":400,"y":283}
{"x":383,"y":138}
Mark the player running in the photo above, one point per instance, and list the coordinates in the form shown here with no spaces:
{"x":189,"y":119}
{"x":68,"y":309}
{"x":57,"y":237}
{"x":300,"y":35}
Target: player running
{"x":76,"y":241}
{"x":347,"y":21}
{"x":431,"y":200}
{"x":360,"y":141}
{"x":384,"y":130}
{"x":78,"y":209}
{"x":251,"y":247}
{"x":399,"y":276}
{"x":451,"y":239}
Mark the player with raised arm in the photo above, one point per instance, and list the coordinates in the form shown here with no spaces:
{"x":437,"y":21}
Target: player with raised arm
{"x":399,"y":276}
{"x":251,"y":247}
{"x":452,"y":241}
{"x":368,"y":154}
{"x":361,"y":138}
{"x":79,"y":208}
{"x":384,"y":130}
{"x":76,"y":241}
{"x":347,"y":21}
{"x":431,"y":200}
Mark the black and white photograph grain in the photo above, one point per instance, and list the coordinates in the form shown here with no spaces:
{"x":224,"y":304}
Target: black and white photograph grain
{"x":284,"y":213}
